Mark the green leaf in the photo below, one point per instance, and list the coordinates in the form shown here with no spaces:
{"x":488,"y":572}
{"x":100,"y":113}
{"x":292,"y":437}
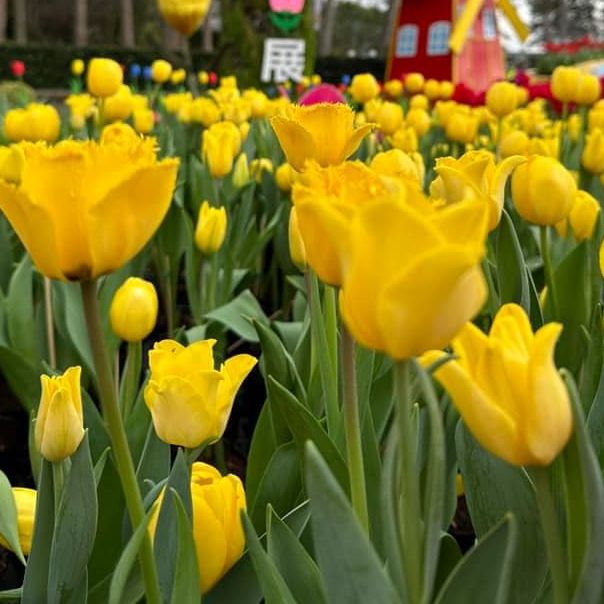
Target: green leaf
{"x":351,"y":568}
{"x":154,"y":463}
{"x":186,"y":588}
{"x":11,"y":595}
{"x":237,"y":315}
{"x":35,"y":582}
{"x":483,"y":575}
{"x":273,"y":586}
{"x":23,"y":376}
{"x":8,"y":517}
{"x":450,"y":556}
{"x":75,"y":529}
{"x":99,"y":466}
{"x":293,"y":562}
{"x":20,"y":310}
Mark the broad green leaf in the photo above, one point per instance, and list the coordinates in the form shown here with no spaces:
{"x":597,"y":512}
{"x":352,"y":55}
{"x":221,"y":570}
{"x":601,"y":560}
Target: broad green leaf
{"x":23,"y":376}
{"x":154,"y":463}
{"x":351,"y":568}
{"x":99,"y":466}
{"x":8,"y":517}
{"x":11,"y":595}
{"x":20,"y":310}
{"x":483,"y":575}
{"x":450,"y":556}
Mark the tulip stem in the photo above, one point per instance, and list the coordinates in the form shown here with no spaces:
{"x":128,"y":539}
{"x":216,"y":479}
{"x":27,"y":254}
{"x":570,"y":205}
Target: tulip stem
{"x":551,"y":533}
{"x":50,"y":326}
{"x":352,"y":425}
{"x":58,"y":479}
{"x":410,"y":510}
{"x":119,"y":441}
{"x":130,"y":380}
{"x":548,"y":269}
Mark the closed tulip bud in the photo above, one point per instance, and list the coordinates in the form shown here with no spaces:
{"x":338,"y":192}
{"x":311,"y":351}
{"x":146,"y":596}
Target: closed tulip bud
{"x":588,"y":91}
{"x":499,"y":383}
{"x":363,"y":87}
{"x":59,"y":426}
{"x":405,"y":139}
{"x":133,"y":311}
{"x":178,"y":76}
{"x":593,"y":153}
{"x":203,"y":77}
{"x":119,"y":106}
{"x":244,"y":129}
{"x":565,"y":83}
{"x":160,"y":71}
{"x":390,"y":117}
{"x":414,"y":82}
{"x":399,"y":164}
{"x":185,"y":16}
{"x":11,"y":163}
{"x":211,"y":228}
{"x":462,"y":128}
{"x":432,"y":89}
{"x":241,"y":171}
{"x":543,"y":190}
{"x":16,"y":125}
{"x":419,"y":120}
{"x":190,"y":401}
{"x":502,"y":98}
{"x":297,"y":251}
{"x":419,"y":101}
{"x":522,"y":96}
{"x":25,"y":502}
{"x":259,"y":166}
{"x":514,"y":143}
{"x":77,"y":67}
{"x":446,"y":89}
{"x":104,"y":78}
{"x":393,"y":88}
{"x":582,"y":218}
{"x":285,"y":176}
{"x":547,"y":147}
{"x":143,"y":120}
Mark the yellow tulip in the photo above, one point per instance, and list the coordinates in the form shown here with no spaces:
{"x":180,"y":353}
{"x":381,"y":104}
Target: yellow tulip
{"x":588,"y":91}
{"x":405,"y":139}
{"x":190,"y":401}
{"x":118,"y":106}
{"x":16,"y":125}
{"x":565,"y":83}
{"x":582,"y":218}
{"x":475,"y":175}
{"x":595,"y":118}
{"x":501,"y":98}
{"x":204,"y":111}
{"x":59,"y":428}
{"x":217,"y":503}
{"x":241,"y":171}
{"x":81,"y":106}
{"x":35,"y":122}
{"x":543,"y":190}
{"x":399,"y":164}
{"x":229,"y":81}
{"x":462,"y":128}
{"x":260,"y":165}
{"x":390,"y":117}
{"x":185,"y":16}
{"x":133,"y":311}
{"x":77,"y":67}
{"x":178,"y":76}
{"x":414,"y":82}
{"x":175,"y":101}
{"x":84,"y":208}
{"x":514,"y":143}
{"x":297,"y":250}
{"x":143,"y":120}
{"x":221,"y":143}
{"x":211,"y":228}
{"x":393,"y":88}
{"x":446,"y":89}
{"x":161,"y":71}
{"x":507,"y":388}
{"x":412,"y":278}
{"x":285,"y":176}
{"x":419,"y":101}
{"x":593,"y":153}
{"x":547,"y":147}
{"x":419,"y":120}
{"x":363,"y":87}
{"x":432,"y":89}
{"x":104,"y":78}
{"x":259,"y":102}
{"x":25,"y":502}
{"x":323,"y":132}
{"x":601,"y":258}
{"x":11,"y":163}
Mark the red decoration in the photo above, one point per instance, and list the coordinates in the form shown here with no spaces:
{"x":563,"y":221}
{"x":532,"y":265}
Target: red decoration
{"x":17,"y":68}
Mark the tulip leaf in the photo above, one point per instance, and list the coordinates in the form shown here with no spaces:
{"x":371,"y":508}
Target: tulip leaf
{"x":8,"y":517}
{"x":592,"y":365}
{"x":23,"y":376}
{"x":6,"y":254}
{"x":483,"y":575}
{"x":304,"y":426}
{"x":493,"y":488}
{"x":11,"y":595}
{"x":237,"y":315}
{"x":35,"y":582}
{"x":585,"y":492}
{"x":186,"y":576}
{"x":99,"y":466}
{"x":75,"y":529}
{"x":450,"y":556}
{"x":351,"y":569}
{"x":154,"y":463}
{"x":293,"y":562}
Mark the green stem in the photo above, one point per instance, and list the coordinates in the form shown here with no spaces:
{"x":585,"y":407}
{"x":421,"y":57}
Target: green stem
{"x":213,"y":283}
{"x":409,"y":501}
{"x":130,"y":380}
{"x":58,"y":476}
{"x":352,"y":425}
{"x":50,"y":327}
{"x":331,"y":327}
{"x":192,"y":76}
{"x":220,"y":458}
{"x":548,"y":269}
{"x":117,"y":434}
{"x":551,"y":533}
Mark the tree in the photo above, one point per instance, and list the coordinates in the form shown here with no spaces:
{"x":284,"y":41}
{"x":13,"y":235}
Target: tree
{"x":328,"y":20}
{"x":127,"y":23}
{"x":561,"y":20}
{"x":20,"y":13}
{"x":3,"y":20}
{"x":81,"y":23}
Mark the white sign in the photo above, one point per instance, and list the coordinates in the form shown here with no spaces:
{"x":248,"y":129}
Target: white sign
{"x":283,"y":60}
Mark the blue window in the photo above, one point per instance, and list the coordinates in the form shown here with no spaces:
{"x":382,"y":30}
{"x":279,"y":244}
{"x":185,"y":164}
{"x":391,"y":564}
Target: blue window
{"x":489,"y":28}
{"x":406,"y":41}
{"x":438,"y":38}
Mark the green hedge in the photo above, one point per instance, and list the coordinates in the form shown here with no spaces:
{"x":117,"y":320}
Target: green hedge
{"x":548,"y":62}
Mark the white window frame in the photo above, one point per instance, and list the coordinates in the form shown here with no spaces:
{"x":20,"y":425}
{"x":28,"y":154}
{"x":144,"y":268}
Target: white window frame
{"x":437,"y":44}
{"x":489,"y":24}
{"x":407,"y":38}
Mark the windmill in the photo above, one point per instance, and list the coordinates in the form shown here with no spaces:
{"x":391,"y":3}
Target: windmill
{"x":455,"y":40}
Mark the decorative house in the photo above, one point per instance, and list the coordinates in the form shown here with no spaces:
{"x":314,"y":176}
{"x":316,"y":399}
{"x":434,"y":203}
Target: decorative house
{"x":455,"y":40}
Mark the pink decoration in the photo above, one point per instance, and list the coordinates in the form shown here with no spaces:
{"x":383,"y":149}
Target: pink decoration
{"x":287,"y":6}
{"x":323,"y":93}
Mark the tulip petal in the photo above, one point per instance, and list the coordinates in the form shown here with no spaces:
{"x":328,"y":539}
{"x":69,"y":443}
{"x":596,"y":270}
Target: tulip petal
{"x":502,"y":173}
{"x":234,"y":498}
{"x":512,"y":328}
{"x":357,"y":137}
{"x":548,"y":417}
{"x":464,"y":223}
{"x":427,"y":304}
{"x":296,"y":142}
{"x":121,"y":223}
{"x":71,"y":378}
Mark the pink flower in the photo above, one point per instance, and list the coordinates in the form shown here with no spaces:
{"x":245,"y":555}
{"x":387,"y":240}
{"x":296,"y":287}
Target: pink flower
{"x":324,"y":93}
{"x":287,"y":6}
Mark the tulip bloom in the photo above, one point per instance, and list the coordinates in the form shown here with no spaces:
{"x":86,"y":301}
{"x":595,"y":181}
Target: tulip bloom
{"x":211,"y":228}
{"x":161,"y":71}
{"x":501,"y":98}
{"x":593,"y":152}
{"x":323,"y":132}
{"x":414,"y":82}
{"x":104,"y":78}
{"x":582,"y":218}
{"x":185,"y":16}
{"x":25,"y":502}
{"x":399,"y":164}
{"x":565,"y":83}
{"x":390,"y":117}
{"x":60,"y":422}
{"x":475,"y":175}
{"x":190,"y":401}
{"x":221,"y":143}
{"x":82,"y":208}
{"x":133,"y":311}
{"x":507,"y":388}
{"x":297,"y":250}
{"x":364,"y":87}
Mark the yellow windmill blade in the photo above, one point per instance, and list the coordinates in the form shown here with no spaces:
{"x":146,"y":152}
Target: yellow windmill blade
{"x":463,"y":25}
{"x":507,"y":8}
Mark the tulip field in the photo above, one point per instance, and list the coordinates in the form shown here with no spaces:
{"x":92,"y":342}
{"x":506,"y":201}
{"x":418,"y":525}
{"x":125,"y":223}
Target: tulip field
{"x":315,"y":344}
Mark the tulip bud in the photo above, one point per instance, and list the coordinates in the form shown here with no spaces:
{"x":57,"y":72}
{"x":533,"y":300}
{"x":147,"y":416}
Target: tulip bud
{"x":178,"y":76}
{"x":414,"y":82}
{"x":203,"y":78}
{"x":364,"y":87}
{"x":419,"y":101}
{"x":59,"y":424}
{"x":211,"y":228}
{"x":393,"y":88}
{"x":297,"y":251}
{"x":543,"y":190}
{"x":241,"y":172}
{"x":565,"y":83}
{"x":143,"y":120}
{"x":593,"y":153}
{"x":77,"y":67}
{"x":25,"y":502}
{"x":259,"y":166}
{"x":105,"y":76}
{"x":582,"y":218}
{"x":160,"y":71}
{"x":432,"y":89}
{"x":133,"y":311}
{"x":285,"y":176}
{"x":501,"y":98}
{"x":118,"y":107}
{"x":390,"y":117}
{"x":588,"y":91}
{"x":419,"y":120}
{"x":514,"y":143}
